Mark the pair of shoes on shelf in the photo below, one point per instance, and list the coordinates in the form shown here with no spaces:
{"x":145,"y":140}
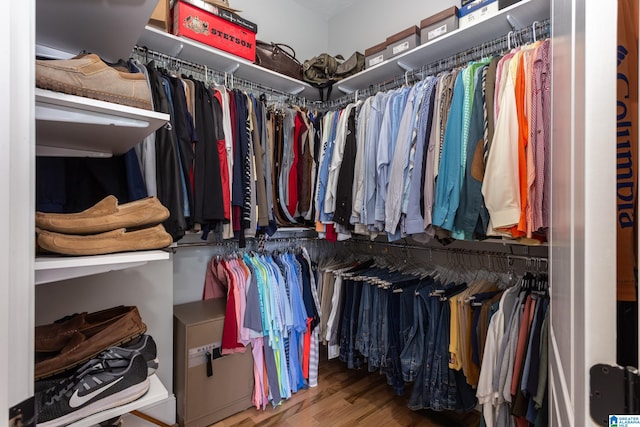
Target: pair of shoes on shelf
{"x":104,"y":228}
{"x":88,"y":76}
{"x":116,"y":376}
{"x":72,"y":340}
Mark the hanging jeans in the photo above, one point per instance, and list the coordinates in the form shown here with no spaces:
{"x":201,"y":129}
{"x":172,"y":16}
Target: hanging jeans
{"x":393,"y":365}
{"x":374,"y":350}
{"x":428,"y":318}
{"x":414,"y":351}
{"x":442,"y":381}
{"x":348,"y":352}
{"x":363,"y":335}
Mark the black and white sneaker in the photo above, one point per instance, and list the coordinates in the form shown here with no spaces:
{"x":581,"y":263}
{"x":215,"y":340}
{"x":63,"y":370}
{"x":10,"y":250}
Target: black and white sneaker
{"x":98,"y":385}
{"x":144,"y":344}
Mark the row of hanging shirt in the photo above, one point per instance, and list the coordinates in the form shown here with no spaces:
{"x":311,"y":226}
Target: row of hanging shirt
{"x":228,"y":161}
{"x":464,"y":154}
{"x":438,"y":331}
{"x":272,"y":304}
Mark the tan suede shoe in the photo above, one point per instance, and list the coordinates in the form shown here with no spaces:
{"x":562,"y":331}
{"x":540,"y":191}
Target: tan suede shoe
{"x":119,"y":240}
{"x":124,"y":326}
{"x":88,"y":76}
{"x":105,"y":215}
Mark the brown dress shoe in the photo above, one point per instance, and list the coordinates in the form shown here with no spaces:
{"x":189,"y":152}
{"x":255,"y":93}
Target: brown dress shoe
{"x":106,"y":215}
{"x":55,"y":336}
{"x":119,"y":240}
{"x":81,"y":346}
{"x":88,"y":76}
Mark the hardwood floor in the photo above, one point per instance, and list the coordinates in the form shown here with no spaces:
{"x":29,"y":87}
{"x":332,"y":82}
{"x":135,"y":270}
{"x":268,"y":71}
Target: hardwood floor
{"x":348,"y":398}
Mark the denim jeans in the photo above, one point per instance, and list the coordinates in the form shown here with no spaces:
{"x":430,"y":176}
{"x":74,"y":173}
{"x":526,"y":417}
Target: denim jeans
{"x":443,"y":382}
{"x":383,"y":331}
{"x":393,"y":366}
{"x":348,"y":352}
{"x":466,"y":395}
{"x":428,"y":318}
{"x":345,"y":323}
{"x":374,"y":351}
{"x":407,"y":314}
{"x":363,"y":334}
{"x":355,"y":360}
{"x":413,"y":352}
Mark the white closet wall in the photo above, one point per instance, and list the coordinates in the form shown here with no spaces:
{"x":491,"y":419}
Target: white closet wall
{"x":368,"y":22}
{"x":583,"y":250}
{"x":16,"y":215}
{"x":189,"y":269}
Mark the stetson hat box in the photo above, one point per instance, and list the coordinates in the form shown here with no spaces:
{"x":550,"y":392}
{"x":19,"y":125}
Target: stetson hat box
{"x":205,"y":27}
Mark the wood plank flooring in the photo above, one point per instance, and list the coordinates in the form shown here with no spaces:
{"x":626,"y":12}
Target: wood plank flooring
{"x":348,"y":398}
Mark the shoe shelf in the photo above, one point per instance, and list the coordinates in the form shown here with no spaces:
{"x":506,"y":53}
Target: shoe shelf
{"x":201,"y":54}
{"x":69,"y":125}
{"x":55,"y":268}
{"x":107,"y":28}
{"x":157,"y":392}
{"x":520,"y":14}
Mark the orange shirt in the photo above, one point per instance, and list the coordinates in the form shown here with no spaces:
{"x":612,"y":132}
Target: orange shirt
{"x":520,"y":230}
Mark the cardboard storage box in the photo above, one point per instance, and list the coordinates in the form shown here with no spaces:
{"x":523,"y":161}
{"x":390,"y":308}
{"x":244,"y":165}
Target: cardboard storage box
{"x":476,"y":12}
{"x":161,"y":16}
{"x":200,"y":25}
{"x":403,"y":41}
{"x":202,"y":399}
{"x":439,"y":24}
{"x":375,"y":55}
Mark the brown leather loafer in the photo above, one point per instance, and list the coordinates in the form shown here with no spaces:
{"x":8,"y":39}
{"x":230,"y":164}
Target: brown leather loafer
{"x":119,"y":240}
{"x":83,"y":345}
{"x":88,"y":76}
{"x":105,"y":215}
{"x":55,"y":336}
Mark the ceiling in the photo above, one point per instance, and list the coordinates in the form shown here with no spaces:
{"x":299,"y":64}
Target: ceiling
{"x":328,"y":8}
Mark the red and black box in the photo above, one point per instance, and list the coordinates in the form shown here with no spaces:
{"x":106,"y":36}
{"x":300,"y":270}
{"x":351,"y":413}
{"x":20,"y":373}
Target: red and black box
{"x":200,"y":25}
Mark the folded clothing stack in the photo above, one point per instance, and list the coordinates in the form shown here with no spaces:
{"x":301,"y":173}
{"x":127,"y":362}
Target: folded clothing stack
{"x":104,"y":228}
{"x":90,"y":362}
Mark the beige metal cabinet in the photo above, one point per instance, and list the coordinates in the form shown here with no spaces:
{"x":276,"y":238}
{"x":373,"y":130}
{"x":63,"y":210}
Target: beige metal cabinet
{"x":202,"y":399}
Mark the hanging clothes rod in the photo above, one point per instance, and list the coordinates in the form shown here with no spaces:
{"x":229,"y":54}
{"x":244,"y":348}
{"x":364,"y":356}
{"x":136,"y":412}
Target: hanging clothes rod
{"x":536,"y":31}
{"x":206,"y":74}
{"x":233,"y":244}
{"x":537,"y":260}
{"x":499,"y":45}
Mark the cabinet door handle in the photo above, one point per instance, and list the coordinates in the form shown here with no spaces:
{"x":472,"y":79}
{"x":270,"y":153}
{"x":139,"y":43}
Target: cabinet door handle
{"x":209,"y":365}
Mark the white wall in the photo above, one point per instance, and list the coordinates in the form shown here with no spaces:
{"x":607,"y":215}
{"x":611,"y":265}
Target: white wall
{"x":17,"y":136}
{"x":583,"y":226}
{"x":369,"y":22}
{"x":286,"y":21}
